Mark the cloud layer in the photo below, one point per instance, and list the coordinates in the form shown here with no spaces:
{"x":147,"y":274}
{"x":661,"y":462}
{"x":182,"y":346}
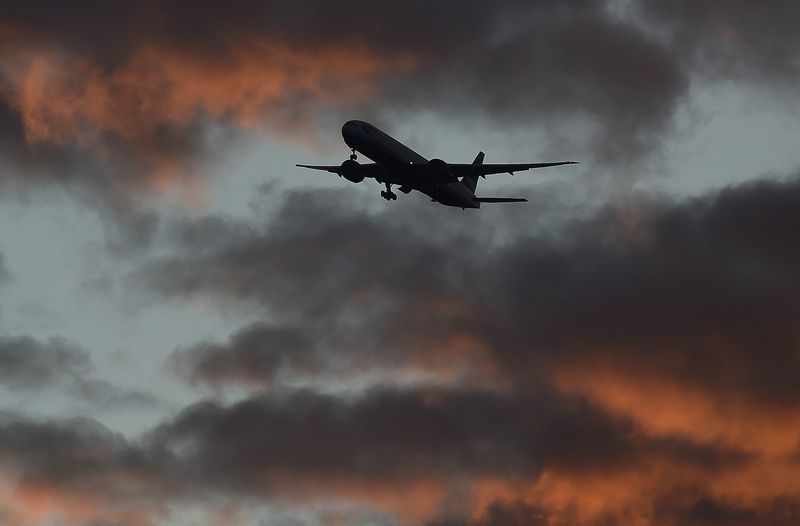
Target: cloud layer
{"x":638,"y":367}
{"x":631,"y":364}
{"x":31,"y":367}
{"x":668,"y":327}
{"x":120,"y":98}
{"x":130,"y":89}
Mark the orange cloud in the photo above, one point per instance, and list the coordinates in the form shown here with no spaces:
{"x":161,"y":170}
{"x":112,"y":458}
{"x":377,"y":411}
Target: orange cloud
{"x":64,"y":98}
{"x":636,"y":495}
{"x":665,"y":406}
{"x":39,"y":504}
{"x":149,"y":103}
{"x":573,"y":498}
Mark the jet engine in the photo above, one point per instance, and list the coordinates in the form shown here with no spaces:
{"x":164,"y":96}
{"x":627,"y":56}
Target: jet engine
{"x":439,"y":170}
{"x":352,"y":171}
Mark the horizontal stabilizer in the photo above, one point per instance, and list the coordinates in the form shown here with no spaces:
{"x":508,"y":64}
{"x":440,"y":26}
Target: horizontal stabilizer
{"x":501,"y":200}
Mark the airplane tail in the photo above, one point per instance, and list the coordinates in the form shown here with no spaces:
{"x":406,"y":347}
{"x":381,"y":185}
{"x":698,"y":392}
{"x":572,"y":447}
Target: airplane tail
{"x":471,"y":182}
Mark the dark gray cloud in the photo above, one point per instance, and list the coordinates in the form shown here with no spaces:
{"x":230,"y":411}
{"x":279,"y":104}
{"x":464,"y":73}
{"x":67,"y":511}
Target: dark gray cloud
{"x":78,"y":472}
{"x":5,"y":275}
{"x":635,"y":364}
{"x":679,"y":279}
{"x":700,"y":292}
{"x":514,"y":514}
{"x":308,"y":446}
{"x":395,"y":435}
{"x":26,"y":363}
{"x":687,"y":507}
{"x":109,"y":172}
{"x":346,"y":305}
{"x":79,"y":452}
{"x":671,"y":323}
{"x":30,"y":366}
{"x":107,"y":116}
{"x":513,"y":63}
{"x":254,"y":355}
{"x":733,"y":40}
{"x":694,"y":508}
{"x":568,"y":66}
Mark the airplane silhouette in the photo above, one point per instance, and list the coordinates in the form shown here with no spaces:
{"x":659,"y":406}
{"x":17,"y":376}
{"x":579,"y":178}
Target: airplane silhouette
{"x":397,"y":164}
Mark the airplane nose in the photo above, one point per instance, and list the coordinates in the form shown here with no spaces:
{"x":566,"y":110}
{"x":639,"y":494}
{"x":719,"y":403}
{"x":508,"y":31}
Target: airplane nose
{"x":349,"y":132}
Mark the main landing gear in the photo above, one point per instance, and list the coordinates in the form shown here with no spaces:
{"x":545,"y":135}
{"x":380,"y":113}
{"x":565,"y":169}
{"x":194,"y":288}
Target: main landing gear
{"x":388,"y":194}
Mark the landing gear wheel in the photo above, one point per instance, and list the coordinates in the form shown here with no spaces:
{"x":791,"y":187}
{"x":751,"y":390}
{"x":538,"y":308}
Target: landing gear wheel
{"x":353,"y":155}
{"x":388,"y":194}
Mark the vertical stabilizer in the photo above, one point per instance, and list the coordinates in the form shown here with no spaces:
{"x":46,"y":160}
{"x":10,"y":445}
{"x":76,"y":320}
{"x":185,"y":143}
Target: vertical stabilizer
{"x":471,"y":182}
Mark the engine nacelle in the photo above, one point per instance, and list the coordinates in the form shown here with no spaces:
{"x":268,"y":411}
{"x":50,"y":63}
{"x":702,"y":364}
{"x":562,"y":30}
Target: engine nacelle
{"x":439,"y":170}
{"x":352,"y":171}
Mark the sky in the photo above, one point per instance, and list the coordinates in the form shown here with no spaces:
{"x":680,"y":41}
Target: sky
{"x":193,"y":331}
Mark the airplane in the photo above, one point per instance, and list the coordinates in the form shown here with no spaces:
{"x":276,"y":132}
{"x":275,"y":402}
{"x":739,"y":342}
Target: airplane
{"x":397,"y":164}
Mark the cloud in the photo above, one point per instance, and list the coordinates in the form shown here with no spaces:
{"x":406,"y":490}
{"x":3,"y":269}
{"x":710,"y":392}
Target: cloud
{"x":401,"y":451}
{"x":32,"y":366}
{"x":91,"y":102}
{"x":118,"y":117}
{"x":672,"y":320}
{"x":308,"y":447}
{"x":570,"y":66}
{"x":636,"y":364}
{"x":255,"y":355}
{"x":96,"y":84}
{"x":75,"y":472}
{"x":5,"y":275}
{"x":411,"y":455}
{"x":93,"y":105}
{"x":29,"y":364}
{"x":394,"y":435}
{"x":730,"y":40}
{"x":691,"y":281}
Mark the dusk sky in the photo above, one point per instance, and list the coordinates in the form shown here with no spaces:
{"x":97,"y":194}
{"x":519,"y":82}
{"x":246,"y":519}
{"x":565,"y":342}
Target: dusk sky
{"x":193,"y":331}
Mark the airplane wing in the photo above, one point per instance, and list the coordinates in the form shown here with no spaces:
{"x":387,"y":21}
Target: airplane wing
{"x":501,"y":200}
{"x":467,"y":170}
{"x":367,"y":170}
{"x":332,"y":169}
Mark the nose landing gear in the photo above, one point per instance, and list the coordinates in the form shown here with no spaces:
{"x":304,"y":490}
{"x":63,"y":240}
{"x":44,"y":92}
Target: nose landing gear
{"x":353,"y":155}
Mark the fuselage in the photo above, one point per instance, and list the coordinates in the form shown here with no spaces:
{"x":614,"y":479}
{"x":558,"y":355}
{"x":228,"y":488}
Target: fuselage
{"x":395,"y":157}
